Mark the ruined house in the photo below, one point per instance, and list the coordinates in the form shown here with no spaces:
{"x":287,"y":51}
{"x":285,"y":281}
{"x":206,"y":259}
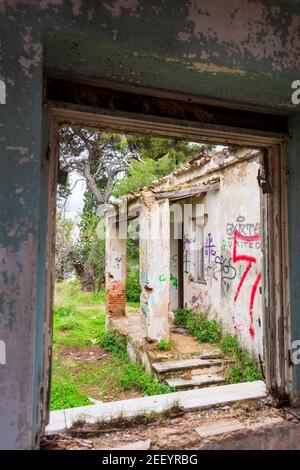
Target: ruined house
{"x":200,"y":247}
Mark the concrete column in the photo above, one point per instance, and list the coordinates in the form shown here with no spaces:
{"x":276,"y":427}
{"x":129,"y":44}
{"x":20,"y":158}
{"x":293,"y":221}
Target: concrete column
{"x":155,"y":266}
{"x":115,"y":269}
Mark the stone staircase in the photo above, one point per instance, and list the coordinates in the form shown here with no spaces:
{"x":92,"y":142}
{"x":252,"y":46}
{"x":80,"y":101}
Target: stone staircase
{"x":206,"y":369}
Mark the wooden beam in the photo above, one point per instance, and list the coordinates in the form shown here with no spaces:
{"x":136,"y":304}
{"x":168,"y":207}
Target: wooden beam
{"x":188,"y":192}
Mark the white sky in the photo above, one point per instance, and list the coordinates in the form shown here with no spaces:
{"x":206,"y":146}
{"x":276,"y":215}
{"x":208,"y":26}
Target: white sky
{"x":75,"y":200}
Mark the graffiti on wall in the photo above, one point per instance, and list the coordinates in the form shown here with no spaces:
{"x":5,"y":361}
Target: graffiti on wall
{"x":250,"y":260}
{"x":229,"y":268}
{"x":210,"y":249}
{"x":174,"y":280}
{"x":227,"y":271}
{"x":245,"y":229}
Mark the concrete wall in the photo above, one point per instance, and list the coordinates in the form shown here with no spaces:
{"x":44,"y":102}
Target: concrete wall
{"x":173,"y":269}
{"x":227,"y":291}
{"x":240,"y":50}
{"x":154,"y":267}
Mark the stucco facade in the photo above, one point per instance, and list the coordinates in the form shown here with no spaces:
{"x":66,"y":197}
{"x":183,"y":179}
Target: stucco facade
{"x":203,"y":252}
{"x":243,"y":54}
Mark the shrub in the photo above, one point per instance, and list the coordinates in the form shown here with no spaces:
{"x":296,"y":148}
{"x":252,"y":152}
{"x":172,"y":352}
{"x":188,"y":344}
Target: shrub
{"x":230,"y":345}
{"x":181,"y":316}
{"x":205,"y":331}
{"x":164,"y":345}
{"x":234,"y":374}
{"x":133,"y":288}
{"x":246,"y":369}
{"x":113,"y":344}
{"x":251,"y":371}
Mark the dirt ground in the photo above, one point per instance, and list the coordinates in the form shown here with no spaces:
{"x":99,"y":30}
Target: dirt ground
{"x":175,"y":432}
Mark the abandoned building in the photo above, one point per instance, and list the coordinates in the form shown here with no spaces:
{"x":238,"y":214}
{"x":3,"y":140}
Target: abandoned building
{"x":200,"y":247}
{"x":203,"y":70}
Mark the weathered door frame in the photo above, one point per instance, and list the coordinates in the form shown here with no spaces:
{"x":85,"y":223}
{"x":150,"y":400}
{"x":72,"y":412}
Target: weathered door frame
{"x":276,"y":310}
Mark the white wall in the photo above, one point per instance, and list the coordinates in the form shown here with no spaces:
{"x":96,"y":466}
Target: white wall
{"x":236,"y":205}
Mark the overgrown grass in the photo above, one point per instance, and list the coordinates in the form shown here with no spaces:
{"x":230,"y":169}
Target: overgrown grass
{"x":210,"y":331}
{"x":133,"y":376}
{"x":68,"y":294}
{"x":246,"y":369}
{"x":79,"y":330}
{"x":64,"y":391}
{"x":204,"y":330}
{"x":164,"y":345}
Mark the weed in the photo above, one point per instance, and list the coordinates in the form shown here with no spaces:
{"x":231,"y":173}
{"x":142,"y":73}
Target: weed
{"x":230,"y":345}
{"x":205,"y":331}
{"x":113,"y":344}
{"x":251,"y":371}
{"x":181,"y":316}
{"x":134,"y":377}
{"x":163,"y":345}
{"x":234,"y":374}
{"x":65,"y":393}
{"x":63,"y":311}
{"x":246,"y":369}
{"x":68,"y":325}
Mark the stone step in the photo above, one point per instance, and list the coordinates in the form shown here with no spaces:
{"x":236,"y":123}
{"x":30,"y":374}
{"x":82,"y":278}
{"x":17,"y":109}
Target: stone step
{"x":212,"y":354}
{"x":185,"y":364}
{"x":196,"y":381}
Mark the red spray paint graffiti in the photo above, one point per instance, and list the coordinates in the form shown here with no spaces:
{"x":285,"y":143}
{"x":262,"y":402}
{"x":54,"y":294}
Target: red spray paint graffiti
{"x":250,"y":260}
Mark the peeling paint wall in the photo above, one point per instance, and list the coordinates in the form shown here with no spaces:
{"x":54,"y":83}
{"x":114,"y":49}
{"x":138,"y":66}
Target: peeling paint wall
{"x":232,"y":259}
{"x":154,"y":266}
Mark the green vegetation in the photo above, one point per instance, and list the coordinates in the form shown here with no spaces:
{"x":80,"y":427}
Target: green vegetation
{"x":87,"y":362}
{"x":181,"y":316}
{"x":210,"y":331}
{"x":164,"y":345}
{"x":134,"y":377}
{"x":205,"y":331}
{"x":246,"y":369}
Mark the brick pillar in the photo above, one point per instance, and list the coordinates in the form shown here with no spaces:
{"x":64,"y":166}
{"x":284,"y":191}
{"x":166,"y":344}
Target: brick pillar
{"x":155,"y":266}
{"x":115,"y":269}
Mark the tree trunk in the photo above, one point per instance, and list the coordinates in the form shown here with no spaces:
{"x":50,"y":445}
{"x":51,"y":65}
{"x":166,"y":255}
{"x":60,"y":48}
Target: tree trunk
{"x":86,"y":276}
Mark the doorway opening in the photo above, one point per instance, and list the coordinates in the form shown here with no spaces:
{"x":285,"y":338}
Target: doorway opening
{"x":268,"y":208}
